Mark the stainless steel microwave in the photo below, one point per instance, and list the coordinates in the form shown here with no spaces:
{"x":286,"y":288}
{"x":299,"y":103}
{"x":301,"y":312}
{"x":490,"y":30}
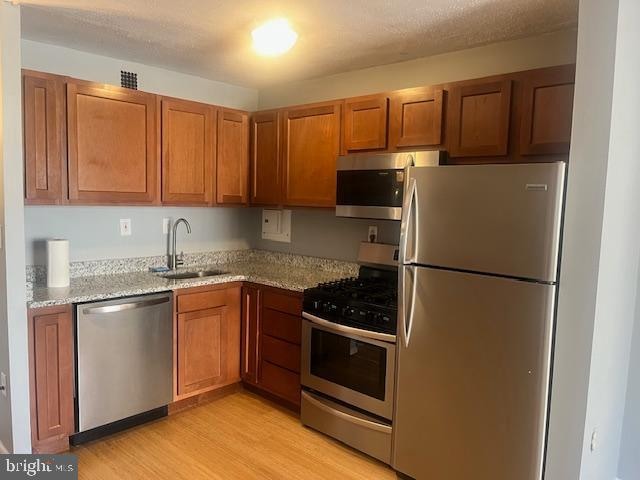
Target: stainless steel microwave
{"x":372,"y":186}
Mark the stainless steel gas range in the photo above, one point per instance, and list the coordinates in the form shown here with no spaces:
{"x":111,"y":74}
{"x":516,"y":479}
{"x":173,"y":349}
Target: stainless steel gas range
{"x":349,"y":353}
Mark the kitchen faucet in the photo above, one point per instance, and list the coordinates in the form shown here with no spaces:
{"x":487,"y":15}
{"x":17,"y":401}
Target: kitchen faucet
{"x":177,"y":260}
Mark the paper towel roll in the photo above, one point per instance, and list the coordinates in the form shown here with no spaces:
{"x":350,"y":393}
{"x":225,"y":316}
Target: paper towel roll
{"x":57,"y":263}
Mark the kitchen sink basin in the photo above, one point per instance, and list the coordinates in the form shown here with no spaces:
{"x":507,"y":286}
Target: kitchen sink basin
{"x":193,"y":274}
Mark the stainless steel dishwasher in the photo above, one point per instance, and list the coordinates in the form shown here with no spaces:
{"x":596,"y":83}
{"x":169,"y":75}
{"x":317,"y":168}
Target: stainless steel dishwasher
{"x":124,"y":363}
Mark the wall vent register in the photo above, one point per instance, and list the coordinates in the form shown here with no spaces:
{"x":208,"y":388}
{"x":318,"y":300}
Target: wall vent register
{"x":128,"y":80}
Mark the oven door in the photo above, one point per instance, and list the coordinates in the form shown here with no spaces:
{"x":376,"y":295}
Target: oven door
{"x":345,"y":363}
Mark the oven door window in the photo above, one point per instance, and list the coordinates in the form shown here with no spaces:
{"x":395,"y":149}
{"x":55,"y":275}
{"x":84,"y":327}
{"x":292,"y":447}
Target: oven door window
{"x":382,"y":188}
{"x":354,"y":364}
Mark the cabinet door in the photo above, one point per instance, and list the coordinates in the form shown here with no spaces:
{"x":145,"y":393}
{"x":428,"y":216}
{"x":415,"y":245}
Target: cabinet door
{"x":479,"y":119}
{"x":51,"y":375}
{"x":232,"y":172}
{"x":113,"y":145}
{"x":202,"y":350}
{"x":365,"y":123}
{"x":311,"y":144}
{"x":415,"y":118}
{"x":250,"y":333}
{"x":188,"y":139}
{"x":547,"y":110}
{"x":266,"y":186}
{"x":44,"y":139}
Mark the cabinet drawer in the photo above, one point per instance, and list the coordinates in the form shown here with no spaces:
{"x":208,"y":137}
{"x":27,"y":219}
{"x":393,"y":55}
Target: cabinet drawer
{"x":282,"y":303}
{"x":283,"y":354}
{"x":202,"y":300}
{"x":280,"y":381}
{"x":281,"y":325}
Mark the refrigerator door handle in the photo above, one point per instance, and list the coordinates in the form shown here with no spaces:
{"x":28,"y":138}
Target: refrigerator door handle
{"x":406,"y":314}
{"x":410,"y":204}
{"x":412,"y":304}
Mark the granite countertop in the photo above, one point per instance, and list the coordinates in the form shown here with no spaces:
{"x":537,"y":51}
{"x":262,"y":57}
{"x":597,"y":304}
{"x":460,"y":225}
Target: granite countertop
{"x":102,"y":287}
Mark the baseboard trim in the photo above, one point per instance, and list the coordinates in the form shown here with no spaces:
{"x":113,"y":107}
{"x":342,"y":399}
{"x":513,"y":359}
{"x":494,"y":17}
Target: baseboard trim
{"x":3,"y":450}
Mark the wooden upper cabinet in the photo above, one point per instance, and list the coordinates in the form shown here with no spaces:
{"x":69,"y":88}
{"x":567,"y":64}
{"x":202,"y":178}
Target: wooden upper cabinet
{"x":365,"y":123}
{"x":266,"y":178}
{"x":188,"y":142}
{"x":44,"y":138}
{"x":311,"y":144}
{"x":51,"y":377}
{"x":479,"y":115}
{"x":415,"y":118}
{"x":113,"y":147}
{"x":232,"y":171}
{"x":547,"y":110}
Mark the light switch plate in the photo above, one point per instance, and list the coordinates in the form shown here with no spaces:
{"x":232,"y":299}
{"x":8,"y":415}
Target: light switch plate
{"x":165,"y":226}
{"x":125,"y":227}
{"x":3,"y":383}
{"x":276,"y":225}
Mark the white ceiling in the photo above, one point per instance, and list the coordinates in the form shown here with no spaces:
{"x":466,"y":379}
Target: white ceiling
{"x":211,"y":38}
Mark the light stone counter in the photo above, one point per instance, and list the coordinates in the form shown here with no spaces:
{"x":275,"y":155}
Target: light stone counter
{"x":290,"y":272}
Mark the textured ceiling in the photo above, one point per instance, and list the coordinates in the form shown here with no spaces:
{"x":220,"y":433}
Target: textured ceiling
{"x":211,"y":38}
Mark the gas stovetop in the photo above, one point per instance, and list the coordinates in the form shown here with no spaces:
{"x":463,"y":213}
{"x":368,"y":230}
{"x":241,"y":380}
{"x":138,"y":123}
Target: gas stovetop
{"x":368,"y":302}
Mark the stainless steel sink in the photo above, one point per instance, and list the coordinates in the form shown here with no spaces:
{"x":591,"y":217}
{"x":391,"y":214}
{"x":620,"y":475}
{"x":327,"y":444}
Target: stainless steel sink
{"x":196,"y":274}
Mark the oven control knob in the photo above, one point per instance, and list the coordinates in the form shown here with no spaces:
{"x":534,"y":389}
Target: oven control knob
{"x":348,"y":311}
{"x":316,"y":304}
{"x":326,"y":307}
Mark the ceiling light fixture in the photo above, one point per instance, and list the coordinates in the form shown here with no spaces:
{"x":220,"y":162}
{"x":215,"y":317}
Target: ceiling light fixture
{"x":273,"y":38}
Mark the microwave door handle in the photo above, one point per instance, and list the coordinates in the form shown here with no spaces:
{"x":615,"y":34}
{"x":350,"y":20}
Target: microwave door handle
{"x":410,"y":205}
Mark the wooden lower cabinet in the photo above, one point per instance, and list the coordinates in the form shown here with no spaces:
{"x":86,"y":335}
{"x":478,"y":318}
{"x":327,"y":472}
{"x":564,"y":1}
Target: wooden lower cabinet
{"x":271,"y":336}
{"x":51,"y":378}
{"x":207,"y":339}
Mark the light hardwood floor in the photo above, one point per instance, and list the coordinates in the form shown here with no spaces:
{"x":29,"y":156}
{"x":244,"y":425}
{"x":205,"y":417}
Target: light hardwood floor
{"x":241,"y":436}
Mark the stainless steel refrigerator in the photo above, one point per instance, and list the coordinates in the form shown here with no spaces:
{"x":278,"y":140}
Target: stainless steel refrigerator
{"x":477,"y":286}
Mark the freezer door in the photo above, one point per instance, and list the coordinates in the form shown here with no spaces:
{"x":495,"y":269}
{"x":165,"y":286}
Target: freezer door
{"x":501,"y":219}
{"x":473,"y":376}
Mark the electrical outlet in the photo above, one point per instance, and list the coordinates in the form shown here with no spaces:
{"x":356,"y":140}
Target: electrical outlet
{"x":372,"y":237}
{"x":3,"y":383}
{"x":125,"y":227}
{"x":165,"y":226}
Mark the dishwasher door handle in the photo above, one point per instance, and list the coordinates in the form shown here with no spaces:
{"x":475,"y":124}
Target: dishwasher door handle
{"x":125,"y":306}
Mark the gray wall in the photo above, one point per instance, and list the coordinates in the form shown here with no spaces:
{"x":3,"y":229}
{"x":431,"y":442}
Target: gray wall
{"x":320,"y":233}
{"x":14,"y":409}
{"x":598,"y":281}
{"x":523,"y":54}
{"x":98,"y":68}
{"x":94,"y":232}
{"x":629,"y":468}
